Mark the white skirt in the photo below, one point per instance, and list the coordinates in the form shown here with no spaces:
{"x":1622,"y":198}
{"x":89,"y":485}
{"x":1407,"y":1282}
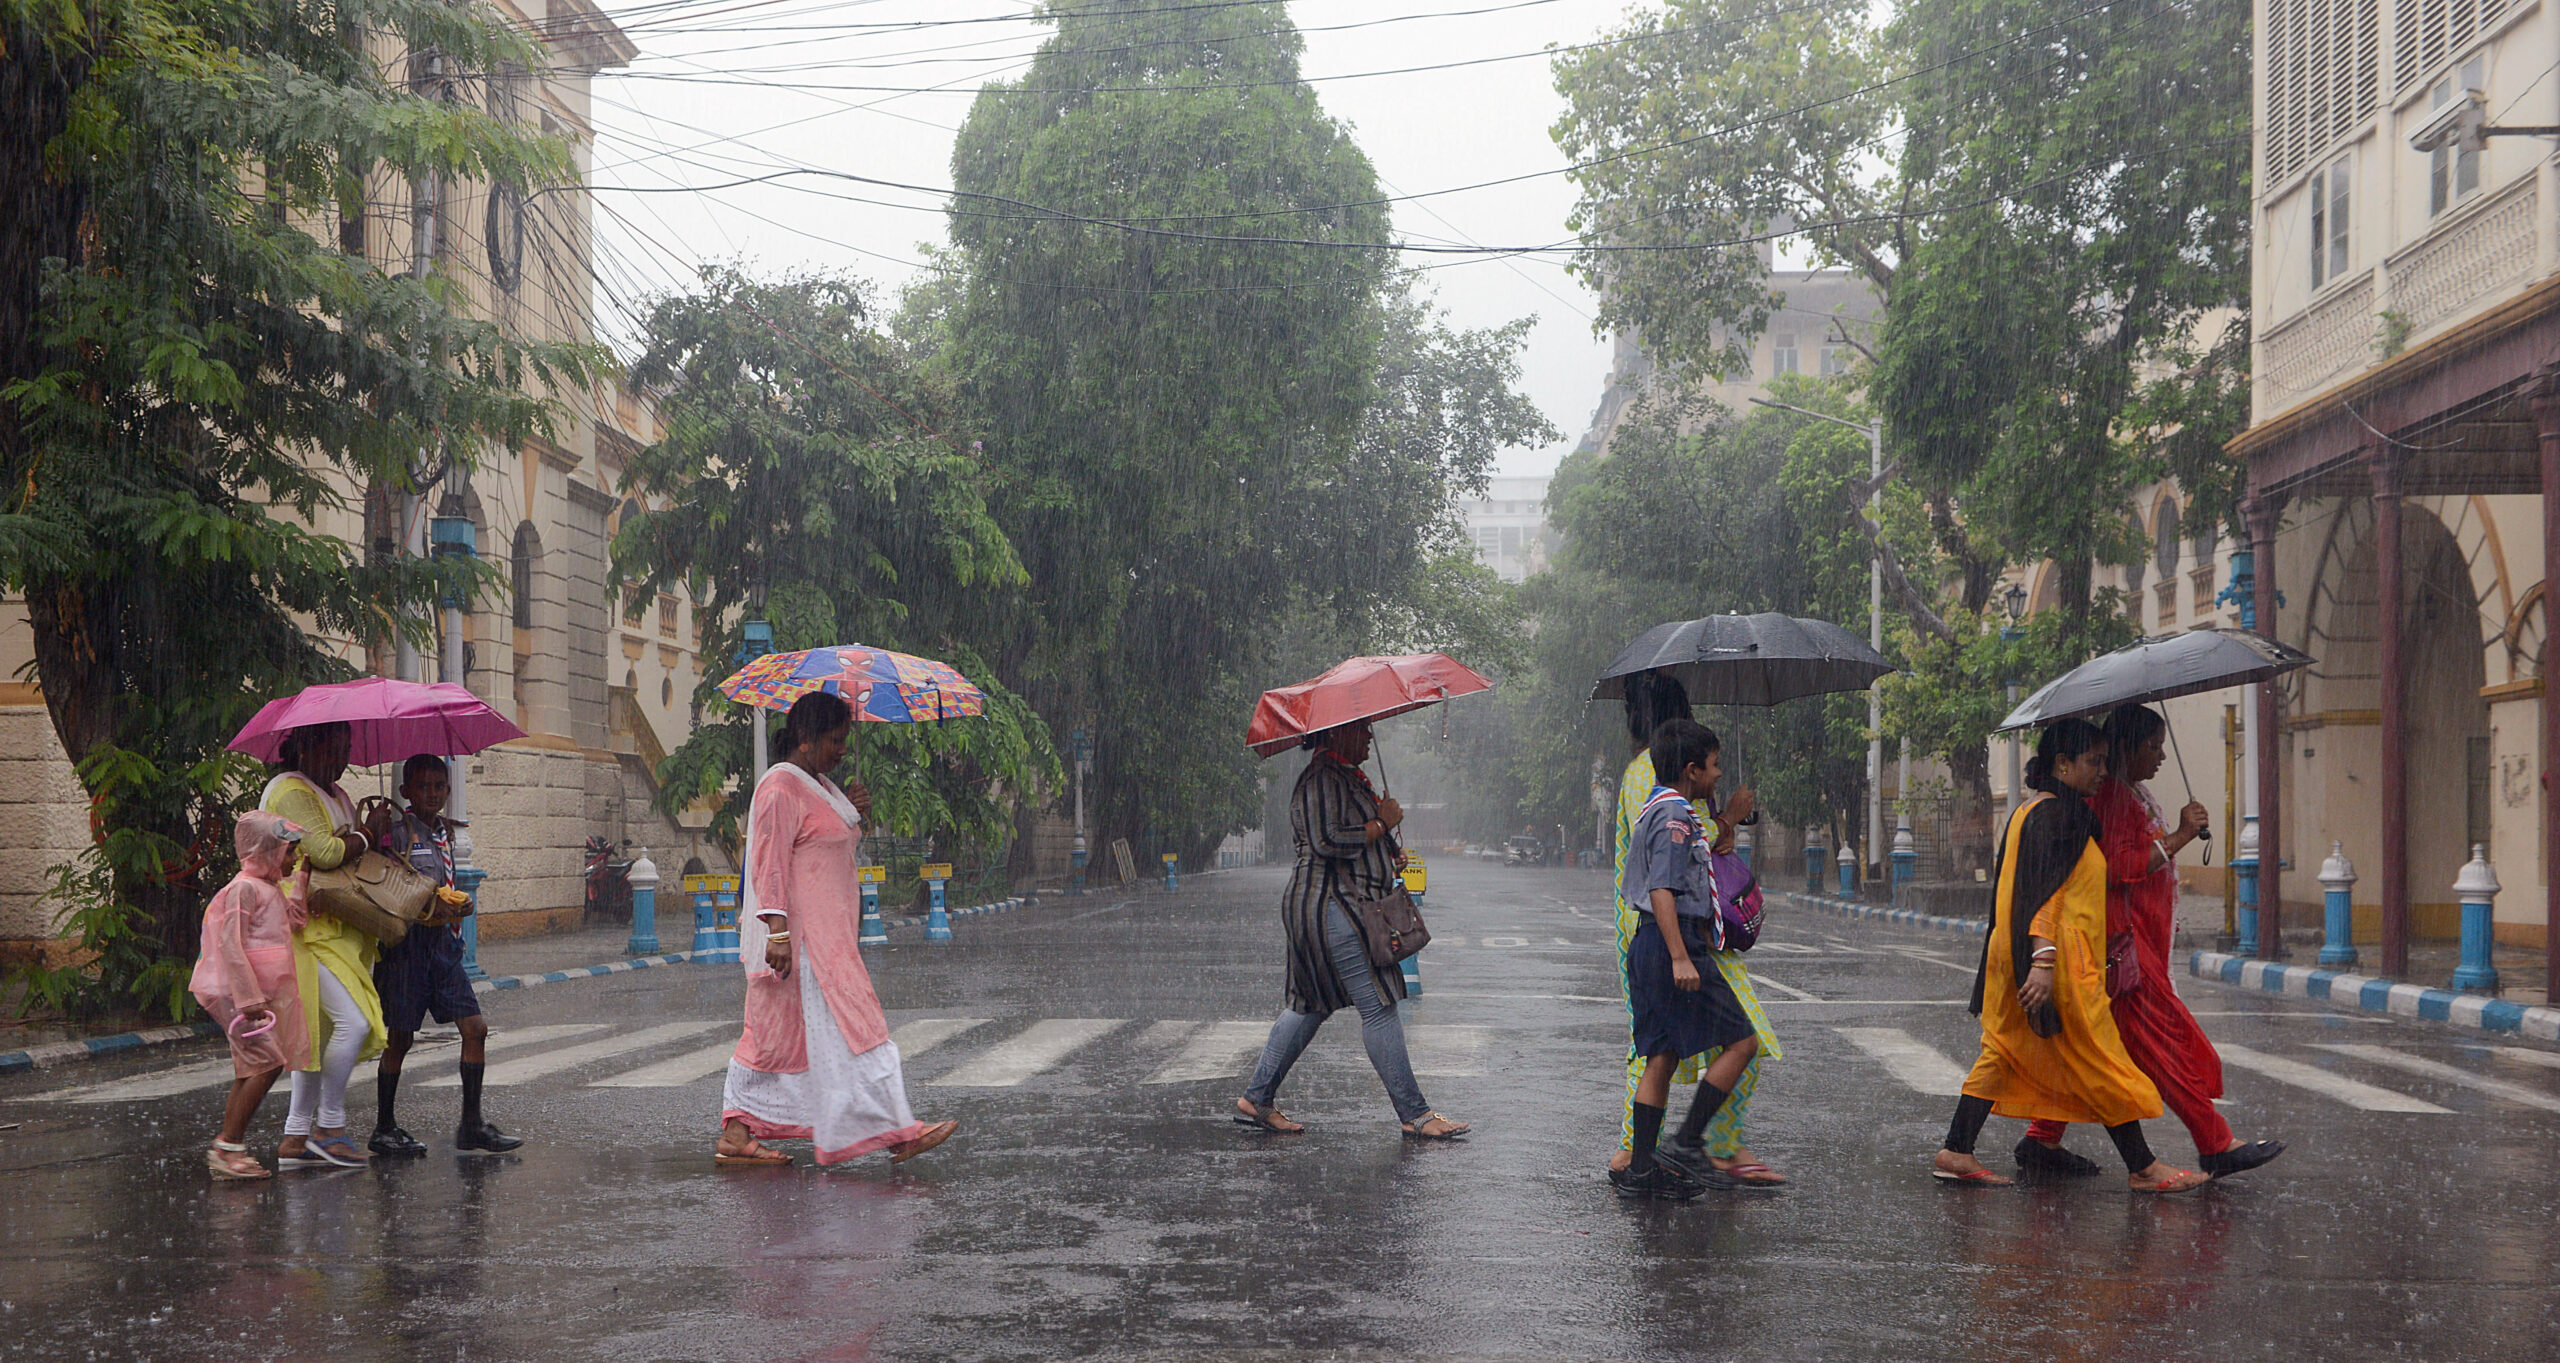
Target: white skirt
{"x":848,"y":1104}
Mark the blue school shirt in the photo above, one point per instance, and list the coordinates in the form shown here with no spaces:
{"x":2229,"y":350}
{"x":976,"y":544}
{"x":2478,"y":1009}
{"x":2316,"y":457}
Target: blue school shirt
{"x":1668,"y":851}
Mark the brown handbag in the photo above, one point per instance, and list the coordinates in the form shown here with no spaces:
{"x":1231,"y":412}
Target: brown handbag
{"x":375,"y":894}
{"x":1391,"y":926}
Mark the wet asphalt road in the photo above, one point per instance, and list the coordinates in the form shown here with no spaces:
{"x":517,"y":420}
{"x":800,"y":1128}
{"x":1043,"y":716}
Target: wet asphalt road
{"x":1103,"y":1205}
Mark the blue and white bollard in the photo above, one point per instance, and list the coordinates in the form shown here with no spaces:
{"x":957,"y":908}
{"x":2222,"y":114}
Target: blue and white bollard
{"x":2477,"y":889}
{"x":874,"y":932}
{"x":699,"y":887}
{"x":644,"y":906}
{"x":1077,"y":857}
{"x":2337,"y":909}
{"x":1906,"y":863}
{"x":1814,"y":857}
{"x":1848,"y":860}
{"x":724,"y":919}
{"x":1172,"y":881}
{"x":1417,"y":879}
{"x":467,"y":879}
{"x":937,"y":920}
{"x":2244,"y":868}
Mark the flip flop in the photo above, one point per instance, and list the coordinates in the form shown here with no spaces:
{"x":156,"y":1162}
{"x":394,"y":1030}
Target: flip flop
{"x":756,"y":1153}
{"x":1449,"y":1130}
{"x":1266,"y":1119}
{"x":1981,"y":1177}
{"x":1756,"y":1172}
{"x":933,"y":1135}
{"x":2178,"y":1182}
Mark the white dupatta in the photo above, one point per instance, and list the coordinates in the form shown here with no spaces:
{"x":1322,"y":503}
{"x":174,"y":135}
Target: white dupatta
{"x":751,"y":929}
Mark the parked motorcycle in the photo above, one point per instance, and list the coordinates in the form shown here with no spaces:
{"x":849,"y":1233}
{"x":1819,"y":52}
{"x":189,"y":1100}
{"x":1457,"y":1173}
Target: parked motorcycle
{"x":608,"y":877}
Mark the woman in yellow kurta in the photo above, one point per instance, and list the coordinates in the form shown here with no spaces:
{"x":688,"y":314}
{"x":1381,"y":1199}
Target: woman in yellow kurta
{"x":332,"y":962}
{"x":2049,"y":1043}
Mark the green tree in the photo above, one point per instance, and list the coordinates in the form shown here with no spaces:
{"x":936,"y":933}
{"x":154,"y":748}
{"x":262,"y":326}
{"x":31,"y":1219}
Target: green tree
{"x":200,"y":358}
{"x":814,"y":474}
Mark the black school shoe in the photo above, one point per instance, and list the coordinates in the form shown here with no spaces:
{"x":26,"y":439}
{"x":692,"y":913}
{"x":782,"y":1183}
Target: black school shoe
{"x":391,"y":1142}
{"x":2052,"y":1160}
{"x":1690,"y":1162}
{"x":2240,"y":1159}
{"x":1657,"y":1184}
{"x":486,"y":1137}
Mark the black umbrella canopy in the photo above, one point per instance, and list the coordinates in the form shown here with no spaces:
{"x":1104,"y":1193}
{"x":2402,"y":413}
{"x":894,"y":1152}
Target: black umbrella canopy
{"x":2156,"y":670}
{"x":1747,"y":659}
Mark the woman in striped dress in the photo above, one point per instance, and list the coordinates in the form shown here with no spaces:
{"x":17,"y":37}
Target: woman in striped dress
{"x":1345,"y":836}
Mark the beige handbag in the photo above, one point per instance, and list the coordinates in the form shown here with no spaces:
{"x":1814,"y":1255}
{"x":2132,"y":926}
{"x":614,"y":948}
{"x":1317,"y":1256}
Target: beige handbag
{"x":375,"y":894}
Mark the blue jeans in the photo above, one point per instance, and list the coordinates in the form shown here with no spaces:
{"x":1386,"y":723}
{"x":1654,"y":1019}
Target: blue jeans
{"x":1381,"y":1030}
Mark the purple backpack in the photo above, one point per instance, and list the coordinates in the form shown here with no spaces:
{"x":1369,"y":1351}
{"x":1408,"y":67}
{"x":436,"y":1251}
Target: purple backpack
{"x":1738,"y":904}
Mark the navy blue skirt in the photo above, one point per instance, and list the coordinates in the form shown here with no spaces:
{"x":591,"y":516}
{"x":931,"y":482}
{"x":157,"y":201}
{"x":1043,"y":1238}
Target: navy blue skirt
{"x":1670,"y":1020}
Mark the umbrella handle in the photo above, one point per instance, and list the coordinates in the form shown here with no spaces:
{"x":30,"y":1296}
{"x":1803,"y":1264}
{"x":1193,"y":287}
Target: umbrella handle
{"x":2203,"y":835}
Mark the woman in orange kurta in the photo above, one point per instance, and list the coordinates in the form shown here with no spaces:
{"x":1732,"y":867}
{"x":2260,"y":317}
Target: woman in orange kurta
{"x":816,"y":1061}
{"x":2049,"y":1043}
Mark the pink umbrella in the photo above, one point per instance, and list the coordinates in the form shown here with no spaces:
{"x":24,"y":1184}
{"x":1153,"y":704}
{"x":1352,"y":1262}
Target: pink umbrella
{"x":392,"y":720}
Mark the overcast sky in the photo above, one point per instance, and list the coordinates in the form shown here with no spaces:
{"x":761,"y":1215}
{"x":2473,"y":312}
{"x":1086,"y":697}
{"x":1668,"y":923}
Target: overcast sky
{"x":702,"y":106}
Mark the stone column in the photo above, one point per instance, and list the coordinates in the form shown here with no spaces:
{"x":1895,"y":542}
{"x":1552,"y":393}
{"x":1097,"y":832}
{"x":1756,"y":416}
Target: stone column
{"x":2265,"y":513}
{"x":2546,"y":420}
{"x":2385,"y":463}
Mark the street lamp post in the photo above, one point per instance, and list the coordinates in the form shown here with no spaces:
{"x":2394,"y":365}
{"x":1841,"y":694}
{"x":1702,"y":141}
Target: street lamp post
{"x":755,"y":639}
{"x":454,"y":537}
{"x":1874,"y":432}
{"x":2013,"y":604}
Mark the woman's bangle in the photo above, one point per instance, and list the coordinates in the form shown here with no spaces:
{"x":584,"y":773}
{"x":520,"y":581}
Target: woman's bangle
{"x":783,"y":936}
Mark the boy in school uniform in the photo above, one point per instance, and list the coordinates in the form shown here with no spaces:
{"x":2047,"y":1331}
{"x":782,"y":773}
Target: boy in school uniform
{"x":421,"y":975}
{"x":1681,"y":1006}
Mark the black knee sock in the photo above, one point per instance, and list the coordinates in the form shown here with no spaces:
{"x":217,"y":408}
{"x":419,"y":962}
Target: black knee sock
{"x":1971,"y":1113}
{"x":1648,"y":1130}
{"x":1702,"y":1110}
{"x":471,"y":1073}
{"x":386,"y":1088}
{"x":2131,"y":1147}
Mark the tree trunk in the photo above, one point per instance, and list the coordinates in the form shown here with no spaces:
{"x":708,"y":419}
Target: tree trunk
{"x":39,"y":213}
{"x":1971,"y":769}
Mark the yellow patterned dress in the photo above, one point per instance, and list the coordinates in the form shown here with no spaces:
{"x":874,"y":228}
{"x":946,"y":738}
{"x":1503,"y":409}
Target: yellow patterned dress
{"x":1724,"y":1135}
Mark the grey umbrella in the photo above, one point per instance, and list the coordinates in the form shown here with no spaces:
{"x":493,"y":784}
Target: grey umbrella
{"x":2155,"y":670}
{"x":1747,"y":659}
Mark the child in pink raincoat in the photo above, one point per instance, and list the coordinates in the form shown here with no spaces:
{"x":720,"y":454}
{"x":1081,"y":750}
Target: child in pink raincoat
{"x":244,"y":978}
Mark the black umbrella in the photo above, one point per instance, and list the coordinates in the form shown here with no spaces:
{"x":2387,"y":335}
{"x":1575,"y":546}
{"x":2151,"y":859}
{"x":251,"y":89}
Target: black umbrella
{"x":2156,"y":670}
{"x":1747,"y":659}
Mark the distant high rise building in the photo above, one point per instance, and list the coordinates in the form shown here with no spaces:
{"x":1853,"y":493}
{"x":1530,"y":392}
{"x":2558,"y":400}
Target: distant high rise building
{"x":1509,"y":526}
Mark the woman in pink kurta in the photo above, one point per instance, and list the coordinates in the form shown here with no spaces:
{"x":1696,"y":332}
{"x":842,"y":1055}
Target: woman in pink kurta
{"x":816,"y":1061}
{"x":244,"y":977}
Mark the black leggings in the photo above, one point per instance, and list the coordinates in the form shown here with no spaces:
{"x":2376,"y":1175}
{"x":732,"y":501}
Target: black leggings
{"x":1972,"y":1112}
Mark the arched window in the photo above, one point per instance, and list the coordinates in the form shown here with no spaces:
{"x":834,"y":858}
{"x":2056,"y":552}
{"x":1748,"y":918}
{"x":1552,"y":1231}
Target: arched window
{"x":524,"y":561}
{"x":2164,"y":537}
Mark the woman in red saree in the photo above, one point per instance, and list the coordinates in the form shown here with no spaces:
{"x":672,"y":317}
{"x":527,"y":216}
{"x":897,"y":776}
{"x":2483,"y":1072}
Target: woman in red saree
{"x":2159,"y":1033}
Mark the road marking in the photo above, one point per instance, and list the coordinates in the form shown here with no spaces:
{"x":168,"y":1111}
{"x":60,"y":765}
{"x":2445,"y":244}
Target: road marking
{"x":1791,"y":948}
{"x":1447,"y":1052}
{"x":1506,"y":941}
{"x":2451,"y":1074}
{"x":1448,"y":940}
{"x":923,"y":1034}
{"x":1868,"y":1003}
{"x":1793,"y":993}
{"x":1036,"y":1048}
{"x":2354,"y":1093}
{"x":207,"y":1074}
{"x":676,"y":1073}
{"x":1909,"y":1059}
{"x":552,"y":1062}
{"x":1951,"y":965}
{"x":1567,"y":998}
{"x":2546,"y":1059}
{"x":1210,"y":1050}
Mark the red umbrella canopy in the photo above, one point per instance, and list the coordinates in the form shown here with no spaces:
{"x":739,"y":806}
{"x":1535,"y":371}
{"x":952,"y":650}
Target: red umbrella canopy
{"x":1357,"y":688}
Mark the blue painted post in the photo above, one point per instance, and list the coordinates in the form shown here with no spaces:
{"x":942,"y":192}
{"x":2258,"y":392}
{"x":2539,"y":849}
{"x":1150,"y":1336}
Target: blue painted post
{"x":724,"y":919}
{"x":1416,"y":880}
{"x":1814,"y":856}
{"x":467,"y":879}
{"x":644,"y":906}
{"x":1077,"y":858}
{"x":704,"y":942}
{"x":937,"y":921}
{"x":2337,"y":909}
{"x":1906,"y":862}
{"x":2477,"y":889}
{"x":1171,"y":880}
{"x":2244,"y":867}
{"x":1848,"y":869}
{"x":874,"y":932}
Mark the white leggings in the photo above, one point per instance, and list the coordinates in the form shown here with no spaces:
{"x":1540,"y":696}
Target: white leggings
{"x":320,"y":1096}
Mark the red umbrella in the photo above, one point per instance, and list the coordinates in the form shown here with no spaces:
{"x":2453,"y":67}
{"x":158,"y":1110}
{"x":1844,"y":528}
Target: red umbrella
{"x":1354,"y":689}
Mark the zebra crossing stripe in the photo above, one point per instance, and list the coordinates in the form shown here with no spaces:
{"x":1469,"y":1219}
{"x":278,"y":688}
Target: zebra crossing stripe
{"x":2352,"y":1092}
{"x":1039,"y":1047}
{"x":923,"y":1034}
{"x":1447,"y":1052}
{"x":206,"y":1074}
{"x":2451,"y":1074}
{"x":1907,"y":1058}
{"x":676,"y":1073}
{"x":552,"y":1062}
{"x":1210,"y":1050}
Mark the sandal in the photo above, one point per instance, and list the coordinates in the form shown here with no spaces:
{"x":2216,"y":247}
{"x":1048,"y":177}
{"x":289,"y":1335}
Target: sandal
{"x":231,"y":1160}
{"x":338,"y":1150}
{"x":1754,"y":1172}
{"x":1449,"y":1130}
{"x":755,"y":1152}
{"x":932,"y":1136}
{"x":2178,"y":1181}
{"x":1250,"y":1113}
